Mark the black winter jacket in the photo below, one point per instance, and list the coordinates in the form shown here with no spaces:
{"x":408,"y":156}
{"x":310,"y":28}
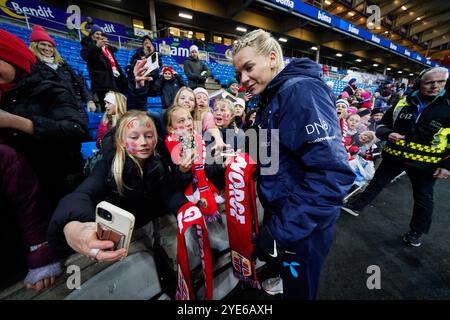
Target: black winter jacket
{"x":100,"y":72}
{"x":426,"y":136}
{"x":193,"y":68}
{"x":67,"y":76}
{"x":60,"y":125}
{"x":168,"y":89}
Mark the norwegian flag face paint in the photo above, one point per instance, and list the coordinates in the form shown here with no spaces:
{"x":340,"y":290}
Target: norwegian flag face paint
{"x":140,"y":138}
{"x":222,"y":115}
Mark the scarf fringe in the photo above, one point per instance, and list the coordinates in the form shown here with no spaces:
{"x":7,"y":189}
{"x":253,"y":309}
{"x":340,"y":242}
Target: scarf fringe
{"x":249,"y":281}
{"x":213,"y":217}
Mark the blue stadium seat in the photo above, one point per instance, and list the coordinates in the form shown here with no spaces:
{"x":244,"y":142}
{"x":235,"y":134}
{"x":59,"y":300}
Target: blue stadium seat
{"x":88,"y":149}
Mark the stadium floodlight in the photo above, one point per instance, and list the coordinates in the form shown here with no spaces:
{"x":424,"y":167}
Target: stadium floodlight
{"x":375,"y":64}
{"x":400,"y":71}
{"x":388,"y":69}
{"x":314,"y":48}
{"x":282,"y":39}
{"x":411,"y":74}
{"x":358,"y":60}
{"x":241,"y":29}
{"x":185,"y":15}
{"x":338,"y":54}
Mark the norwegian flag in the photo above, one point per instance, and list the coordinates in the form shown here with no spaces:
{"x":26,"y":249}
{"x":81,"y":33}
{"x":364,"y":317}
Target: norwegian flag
{"x":241,"y":264}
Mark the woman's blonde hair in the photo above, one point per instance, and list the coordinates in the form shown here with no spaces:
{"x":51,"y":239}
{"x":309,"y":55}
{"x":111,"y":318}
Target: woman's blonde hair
{"x":121,"y":108}
{"x":34,"y":48}
{"x":263,"y":43}
{"x":121,"y":153}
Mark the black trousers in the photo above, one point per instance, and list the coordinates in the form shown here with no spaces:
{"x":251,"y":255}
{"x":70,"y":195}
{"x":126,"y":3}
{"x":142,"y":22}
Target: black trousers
{"x":422,"y":182}
{"x":300,"y":270}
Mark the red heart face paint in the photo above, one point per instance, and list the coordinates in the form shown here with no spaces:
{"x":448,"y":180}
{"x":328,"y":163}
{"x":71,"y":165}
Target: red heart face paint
{"x":140,"y":138}
{"x":131,"y":148}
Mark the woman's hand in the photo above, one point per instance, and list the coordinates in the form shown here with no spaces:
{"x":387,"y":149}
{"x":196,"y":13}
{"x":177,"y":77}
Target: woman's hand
{"x":394,"y":136}
{"x":139,"y":72}
{"x":186,"y":163}
{"x":91,"y":106}
{"x":42,"y":284}
{"x":441,"y":173}
{"x":82,"y":237}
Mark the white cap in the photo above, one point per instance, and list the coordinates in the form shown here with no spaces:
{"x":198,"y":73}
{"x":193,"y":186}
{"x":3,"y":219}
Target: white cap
{"x":111,"y":98}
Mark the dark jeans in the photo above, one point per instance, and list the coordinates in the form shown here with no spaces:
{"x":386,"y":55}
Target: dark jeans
{"x":301,"y":271}
{"x":99,"y":97}
{"x":422,"y":182}
{"x":26,"y":203}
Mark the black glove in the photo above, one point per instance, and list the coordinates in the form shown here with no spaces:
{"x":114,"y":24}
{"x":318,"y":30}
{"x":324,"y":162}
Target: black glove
{"x":265,"y":247}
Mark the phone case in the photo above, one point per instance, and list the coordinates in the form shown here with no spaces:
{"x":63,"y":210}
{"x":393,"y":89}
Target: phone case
{"x":188,"y":145}
{"x":119,"y":229}
{"x":105,"y":233}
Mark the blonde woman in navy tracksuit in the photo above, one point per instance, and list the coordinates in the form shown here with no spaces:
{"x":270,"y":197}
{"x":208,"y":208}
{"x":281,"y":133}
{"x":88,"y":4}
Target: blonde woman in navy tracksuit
{"x":303,"y":197}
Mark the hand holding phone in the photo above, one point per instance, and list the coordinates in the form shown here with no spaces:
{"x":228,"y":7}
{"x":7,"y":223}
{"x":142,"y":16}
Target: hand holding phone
{"x":152,"y":63}
{"x":114,"y":224}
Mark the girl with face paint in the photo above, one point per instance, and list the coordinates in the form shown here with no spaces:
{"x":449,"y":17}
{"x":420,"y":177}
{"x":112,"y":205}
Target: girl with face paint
{"x":134,"y":178}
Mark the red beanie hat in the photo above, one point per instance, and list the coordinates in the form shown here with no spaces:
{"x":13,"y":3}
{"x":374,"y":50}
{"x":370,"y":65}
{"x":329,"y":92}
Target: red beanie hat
{"x":167,"y":69}
{"x":39,"y":34}
{"x":14,"y":51}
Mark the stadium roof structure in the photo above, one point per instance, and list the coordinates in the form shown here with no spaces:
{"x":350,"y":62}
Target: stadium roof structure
{"x":336,"y":27}
{"x":420,"y":26}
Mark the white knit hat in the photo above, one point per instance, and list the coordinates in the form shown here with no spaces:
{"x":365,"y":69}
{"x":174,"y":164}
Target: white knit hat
{"x":111,"y":98}
{"x":201,"y":90}
{"x":240,"y":102}
{"x":193,"y":47}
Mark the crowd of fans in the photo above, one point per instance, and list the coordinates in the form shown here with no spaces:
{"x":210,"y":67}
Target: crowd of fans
{"x":360,"y":113}
{"x":43,"y":123}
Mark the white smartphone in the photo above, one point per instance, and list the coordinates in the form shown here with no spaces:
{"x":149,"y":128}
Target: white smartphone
{"x":115,"y":224}
{"x":152,"y":63}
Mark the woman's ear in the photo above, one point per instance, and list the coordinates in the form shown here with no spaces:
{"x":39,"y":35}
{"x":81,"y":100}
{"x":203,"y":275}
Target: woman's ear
{"x":273,"y":59}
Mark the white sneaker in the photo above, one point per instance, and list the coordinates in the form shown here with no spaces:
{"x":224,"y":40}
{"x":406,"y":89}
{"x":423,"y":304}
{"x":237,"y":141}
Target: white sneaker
{"x":273,"y":286}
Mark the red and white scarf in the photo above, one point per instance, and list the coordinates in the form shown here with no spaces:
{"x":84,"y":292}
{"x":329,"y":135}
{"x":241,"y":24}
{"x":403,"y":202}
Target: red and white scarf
{"x":107,"y":53}
{"x":188,"y":216}
{"x":201,"y":191}
{"x":242,"y":216}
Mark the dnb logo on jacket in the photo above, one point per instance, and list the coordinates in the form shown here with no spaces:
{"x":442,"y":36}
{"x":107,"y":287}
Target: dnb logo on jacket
{"x":318,"y":131}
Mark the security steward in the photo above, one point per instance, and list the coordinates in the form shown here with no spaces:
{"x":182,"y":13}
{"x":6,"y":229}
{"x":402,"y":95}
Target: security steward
{"x":417,"y":131}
